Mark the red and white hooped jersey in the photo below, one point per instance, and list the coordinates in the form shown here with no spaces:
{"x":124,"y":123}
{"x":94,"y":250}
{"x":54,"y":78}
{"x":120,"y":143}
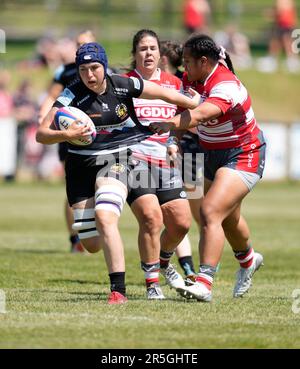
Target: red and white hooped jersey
{"x":153,"y":149}
{"x":237,"y":126}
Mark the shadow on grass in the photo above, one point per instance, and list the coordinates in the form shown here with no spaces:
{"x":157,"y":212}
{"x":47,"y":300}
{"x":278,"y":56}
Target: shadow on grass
{"x":73,"y":281}
{"x":33,"y":251}
{"x":86,"y":296}
{"x":103,"y":296}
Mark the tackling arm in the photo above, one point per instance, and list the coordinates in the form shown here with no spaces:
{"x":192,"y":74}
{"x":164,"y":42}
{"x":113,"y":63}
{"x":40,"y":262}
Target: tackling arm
{"x":188,"y":119}
{"x":153,"y":91}
{"x":192,"y":118}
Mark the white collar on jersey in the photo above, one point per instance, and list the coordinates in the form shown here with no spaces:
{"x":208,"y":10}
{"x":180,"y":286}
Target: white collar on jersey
{"x":156,"y":76}
{"x":211,"y":73}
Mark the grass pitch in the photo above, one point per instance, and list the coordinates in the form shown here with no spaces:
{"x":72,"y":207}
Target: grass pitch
{"x":58,"y":300}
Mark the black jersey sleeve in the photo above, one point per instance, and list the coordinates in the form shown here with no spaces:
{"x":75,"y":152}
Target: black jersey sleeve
{"x":127,"y":87}
{"x":65,"y":74}
{"x":136,"y":86}
{"x":71,"y":94}
{"x":58,"y":75}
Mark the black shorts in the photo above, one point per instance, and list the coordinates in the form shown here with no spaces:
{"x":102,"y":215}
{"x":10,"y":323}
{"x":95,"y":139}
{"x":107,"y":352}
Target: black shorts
{"x":83,"y":170}
{"x":192,"y":158}
{"x":62,"y":151}
{"x":163,"y":182}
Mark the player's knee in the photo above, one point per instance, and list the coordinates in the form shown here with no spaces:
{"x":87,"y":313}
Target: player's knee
{"x":177,"y":218}
{"x":106,"y":222}
{"x":209,"y":213}
{"x":150,"y":220}
{"x":178,"y":228}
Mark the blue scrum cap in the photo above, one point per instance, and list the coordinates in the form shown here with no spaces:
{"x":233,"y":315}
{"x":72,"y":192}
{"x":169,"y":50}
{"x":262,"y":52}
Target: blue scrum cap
{"x":91,"y":52}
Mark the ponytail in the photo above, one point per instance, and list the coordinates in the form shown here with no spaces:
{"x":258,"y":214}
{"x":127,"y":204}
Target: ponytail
{"x":229,"y":62}
{"x":225,"y":56}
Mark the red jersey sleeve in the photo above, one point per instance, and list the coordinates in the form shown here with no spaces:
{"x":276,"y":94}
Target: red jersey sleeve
{"x":224,"y":95}
{"x":221,"y":103}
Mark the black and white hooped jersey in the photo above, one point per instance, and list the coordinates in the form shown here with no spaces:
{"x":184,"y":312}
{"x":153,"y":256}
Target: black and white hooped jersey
{"x":112,"y":112}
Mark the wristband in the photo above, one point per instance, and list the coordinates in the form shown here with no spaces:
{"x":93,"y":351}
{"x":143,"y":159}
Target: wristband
{"x":172,"y":140}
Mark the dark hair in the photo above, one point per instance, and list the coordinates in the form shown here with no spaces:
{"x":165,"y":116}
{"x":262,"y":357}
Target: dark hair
{"x":137,"y":38}
{"x":203,"y":45}
{"x":173,"y":51}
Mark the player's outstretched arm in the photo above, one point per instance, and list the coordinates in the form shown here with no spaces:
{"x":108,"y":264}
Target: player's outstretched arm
{"x":188,"y":119}
{"x":153,"y":91}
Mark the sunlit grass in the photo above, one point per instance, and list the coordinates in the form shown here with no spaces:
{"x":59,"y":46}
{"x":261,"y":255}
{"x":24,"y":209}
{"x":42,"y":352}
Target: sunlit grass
{"x":57,"y":299}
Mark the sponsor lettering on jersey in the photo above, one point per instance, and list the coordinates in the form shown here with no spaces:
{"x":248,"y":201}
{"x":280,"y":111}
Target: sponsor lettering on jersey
{"x":83,"y":100}
{"x":163,"y":112}
{"x":121,"y":91}
{"x":168,"y":85}
{"x":95,"y":115}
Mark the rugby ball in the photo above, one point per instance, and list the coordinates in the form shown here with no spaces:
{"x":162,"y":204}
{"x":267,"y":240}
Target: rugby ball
{"x":65,"y":116}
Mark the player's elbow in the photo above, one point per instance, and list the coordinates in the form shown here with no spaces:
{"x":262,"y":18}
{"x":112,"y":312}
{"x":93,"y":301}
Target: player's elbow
{"x":200,"y":117}
{"x":39,"y":137}
{"x":205,"y":113}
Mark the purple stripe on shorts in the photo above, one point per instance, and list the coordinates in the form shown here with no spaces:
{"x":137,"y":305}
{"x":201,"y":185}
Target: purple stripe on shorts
{"x":110,"y":203}
{"x":113,"y":193}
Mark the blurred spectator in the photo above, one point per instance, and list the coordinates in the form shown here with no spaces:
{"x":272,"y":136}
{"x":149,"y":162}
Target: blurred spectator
{"x":236,"y":44}
{"x":33,"y":154}
{"x":8,"y":130}
{"x":84,"y":37}
{"x":63,"y":75}
{"x":26,"y":115}
{"x":47,"y":53}
{"x":284,"y":17}
{"x":195,"y":15}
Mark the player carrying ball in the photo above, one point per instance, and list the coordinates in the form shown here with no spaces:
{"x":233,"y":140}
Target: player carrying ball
{"x":97,"y":174}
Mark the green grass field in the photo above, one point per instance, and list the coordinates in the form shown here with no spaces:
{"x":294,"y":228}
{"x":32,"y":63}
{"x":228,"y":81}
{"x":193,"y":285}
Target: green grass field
{"x":55,"y":299}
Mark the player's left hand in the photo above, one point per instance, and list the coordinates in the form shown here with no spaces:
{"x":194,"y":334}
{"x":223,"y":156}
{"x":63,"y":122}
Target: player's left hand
{"x":160,"y":127}
{"x":172,"y":154}
{"x":195,"y":96}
